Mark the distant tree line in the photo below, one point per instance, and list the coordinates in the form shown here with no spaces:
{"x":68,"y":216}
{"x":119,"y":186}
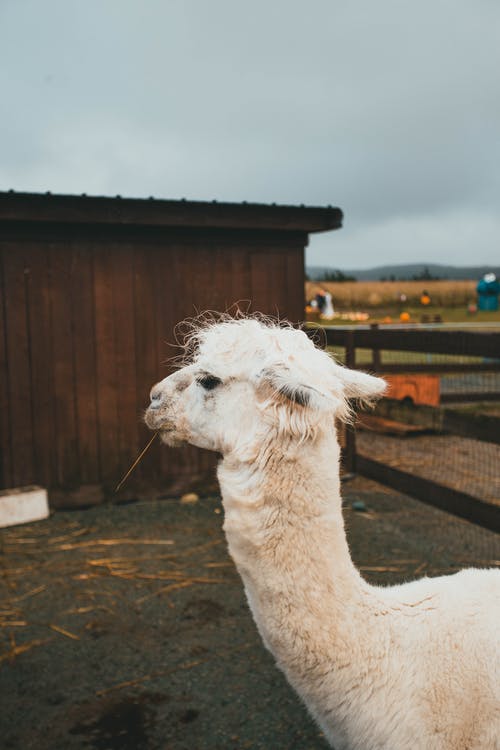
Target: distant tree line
{"x":424,"y":275}
{"x":336,"y":275}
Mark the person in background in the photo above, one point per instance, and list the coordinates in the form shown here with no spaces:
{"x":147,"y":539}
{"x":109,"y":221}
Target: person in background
{"x":328,"y":312}
{"x":320,"y":300}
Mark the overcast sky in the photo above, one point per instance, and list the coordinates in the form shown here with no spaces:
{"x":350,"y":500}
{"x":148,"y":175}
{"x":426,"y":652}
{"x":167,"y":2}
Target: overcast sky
{"x":388,"y":109}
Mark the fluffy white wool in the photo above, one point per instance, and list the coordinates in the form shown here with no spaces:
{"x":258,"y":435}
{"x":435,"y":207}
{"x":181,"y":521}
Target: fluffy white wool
{"x":412,"y":666}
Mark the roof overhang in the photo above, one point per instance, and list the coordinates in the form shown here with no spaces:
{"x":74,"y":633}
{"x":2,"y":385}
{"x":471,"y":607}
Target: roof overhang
{"x":154,"y":212}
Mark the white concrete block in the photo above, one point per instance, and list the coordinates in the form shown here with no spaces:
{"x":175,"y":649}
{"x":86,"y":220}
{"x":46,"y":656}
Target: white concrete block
{"x":22,"y":505}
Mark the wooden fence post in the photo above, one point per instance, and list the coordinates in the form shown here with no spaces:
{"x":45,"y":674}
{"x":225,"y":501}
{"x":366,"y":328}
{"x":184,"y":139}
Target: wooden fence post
{"x":350,"y":433}
{"x":375,"y":352}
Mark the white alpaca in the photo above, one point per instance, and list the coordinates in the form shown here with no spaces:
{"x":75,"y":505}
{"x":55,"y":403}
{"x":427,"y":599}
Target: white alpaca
{"x":414,"y":666}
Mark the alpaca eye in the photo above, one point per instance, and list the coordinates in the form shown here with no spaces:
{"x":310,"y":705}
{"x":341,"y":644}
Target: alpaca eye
{"x":209,"y":382}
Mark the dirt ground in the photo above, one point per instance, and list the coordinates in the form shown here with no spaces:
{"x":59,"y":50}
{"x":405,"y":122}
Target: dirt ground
{"x":126,"y":628}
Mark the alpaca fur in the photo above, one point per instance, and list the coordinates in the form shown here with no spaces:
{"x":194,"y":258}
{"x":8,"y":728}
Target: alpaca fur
{"x":414,"y":666}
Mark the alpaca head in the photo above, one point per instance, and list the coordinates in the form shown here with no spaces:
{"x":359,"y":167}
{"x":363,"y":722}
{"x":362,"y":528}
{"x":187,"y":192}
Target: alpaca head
{"x":245,"y":379}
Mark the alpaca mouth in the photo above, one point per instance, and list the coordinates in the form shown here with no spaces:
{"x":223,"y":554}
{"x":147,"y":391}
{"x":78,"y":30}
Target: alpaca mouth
{"x":164,"y":426}
{"x":158,"y":422}
{"x":165,"y":431}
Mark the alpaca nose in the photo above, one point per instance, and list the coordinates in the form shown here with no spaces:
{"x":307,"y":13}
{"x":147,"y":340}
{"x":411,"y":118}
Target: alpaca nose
{"x":155,"y":396}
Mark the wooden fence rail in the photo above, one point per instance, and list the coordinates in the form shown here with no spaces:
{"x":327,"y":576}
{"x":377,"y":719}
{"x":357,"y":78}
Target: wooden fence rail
{"x":459,"y":343}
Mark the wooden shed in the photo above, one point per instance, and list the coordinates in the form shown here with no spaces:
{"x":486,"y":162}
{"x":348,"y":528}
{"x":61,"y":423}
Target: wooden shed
{"x":91,"y":289}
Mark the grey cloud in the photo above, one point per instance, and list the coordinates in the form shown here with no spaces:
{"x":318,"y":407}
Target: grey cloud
{"x":390,"y":110}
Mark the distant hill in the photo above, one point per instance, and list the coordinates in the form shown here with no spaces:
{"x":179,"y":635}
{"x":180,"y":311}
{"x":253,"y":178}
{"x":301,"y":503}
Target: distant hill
{"x":406,"y":271}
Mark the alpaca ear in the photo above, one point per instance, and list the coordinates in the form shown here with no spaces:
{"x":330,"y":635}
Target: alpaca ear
{"x":283,"y":383}
{"x":361,"y":386}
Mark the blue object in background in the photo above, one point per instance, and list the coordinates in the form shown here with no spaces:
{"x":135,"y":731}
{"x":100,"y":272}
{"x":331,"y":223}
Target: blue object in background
{"x":488,"y":290}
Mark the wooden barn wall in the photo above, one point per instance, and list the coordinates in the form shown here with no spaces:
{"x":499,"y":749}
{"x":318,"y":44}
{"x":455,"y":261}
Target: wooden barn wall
{"x":85,"y":327}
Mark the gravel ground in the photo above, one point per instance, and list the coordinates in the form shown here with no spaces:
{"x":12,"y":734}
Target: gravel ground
{"x":126,"y":628}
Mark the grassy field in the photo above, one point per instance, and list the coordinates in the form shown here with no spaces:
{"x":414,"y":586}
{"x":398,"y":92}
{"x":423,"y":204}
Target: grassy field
{"x":373,"y":294}
{"x":382,"y":299}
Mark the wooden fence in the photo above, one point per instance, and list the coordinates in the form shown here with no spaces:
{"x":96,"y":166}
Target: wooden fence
{"x":483,"y":348}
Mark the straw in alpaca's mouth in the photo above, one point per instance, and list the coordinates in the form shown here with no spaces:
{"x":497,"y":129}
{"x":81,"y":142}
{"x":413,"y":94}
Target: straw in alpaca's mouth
{"x":137,"y":460}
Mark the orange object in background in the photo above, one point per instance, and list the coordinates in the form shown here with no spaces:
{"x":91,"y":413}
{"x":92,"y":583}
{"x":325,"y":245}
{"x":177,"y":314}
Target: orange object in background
{"x":404,"y":317}
{"x":421,"y":389}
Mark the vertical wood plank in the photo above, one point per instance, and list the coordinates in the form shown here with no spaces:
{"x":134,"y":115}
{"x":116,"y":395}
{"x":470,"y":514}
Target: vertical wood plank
{"x":107,"y":383}
{"x":19,"y":367}
{"x":42,"y":385}
{"x":146,"y":285}
{"x":240,"y":282}
{"x":166,"y":301}
{"x":84,"y":341}
{"x":129,"y":411}
{"x":200,"y":273}
{"x":265,"y":281}
{"x":167,"y":309}
{"x":221,"y":286}
{"x":295,"y":283}
{"x":6,"y":476}
{"x":278,"y":302}
{"x":62,"y":315}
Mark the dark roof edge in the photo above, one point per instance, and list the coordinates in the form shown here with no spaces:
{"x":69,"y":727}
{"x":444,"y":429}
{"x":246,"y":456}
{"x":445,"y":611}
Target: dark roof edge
{"x":83,"y":209}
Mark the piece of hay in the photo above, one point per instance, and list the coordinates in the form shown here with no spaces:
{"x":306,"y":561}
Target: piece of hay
{"x":111,"y":543}
{"x":64,"y":632}
{"x":129,"y":472}
{"x":21,"y":649}
{"x":32,"y":592}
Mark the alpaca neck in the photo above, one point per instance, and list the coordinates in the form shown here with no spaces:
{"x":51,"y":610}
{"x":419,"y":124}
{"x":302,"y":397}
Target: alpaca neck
{"x":285,"y":532}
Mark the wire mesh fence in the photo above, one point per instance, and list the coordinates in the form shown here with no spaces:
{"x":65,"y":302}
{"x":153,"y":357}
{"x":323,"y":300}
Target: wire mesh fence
{"x":437,"y":432}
